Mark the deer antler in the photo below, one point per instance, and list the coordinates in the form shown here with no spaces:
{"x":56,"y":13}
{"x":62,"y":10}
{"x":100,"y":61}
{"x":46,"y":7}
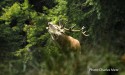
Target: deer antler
{"x":70,"y":29}
{"x":74,"y":30}
{"x":84,"y":33}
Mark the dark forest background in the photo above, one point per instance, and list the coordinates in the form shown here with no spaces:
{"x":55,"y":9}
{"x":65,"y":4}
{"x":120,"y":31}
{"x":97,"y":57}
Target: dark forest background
{"x":26,"y":47}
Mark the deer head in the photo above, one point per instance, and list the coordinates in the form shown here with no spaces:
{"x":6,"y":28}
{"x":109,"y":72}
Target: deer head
{"x":55,"y":30}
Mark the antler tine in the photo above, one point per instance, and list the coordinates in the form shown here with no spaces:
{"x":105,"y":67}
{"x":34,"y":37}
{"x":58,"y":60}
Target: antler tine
{"x":73,"y":26}
{"x":70,"y":29}
{"x":80,"y":30}
{"x":84,"y":33}
{"x":60,"y":24}
{"x":83,"y":27}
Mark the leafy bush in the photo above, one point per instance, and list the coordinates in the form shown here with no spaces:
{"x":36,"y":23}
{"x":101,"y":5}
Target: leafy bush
{"x":27,"y":48}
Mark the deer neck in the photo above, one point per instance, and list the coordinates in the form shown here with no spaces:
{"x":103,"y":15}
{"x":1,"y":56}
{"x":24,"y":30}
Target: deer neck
{"x":63,"y":40}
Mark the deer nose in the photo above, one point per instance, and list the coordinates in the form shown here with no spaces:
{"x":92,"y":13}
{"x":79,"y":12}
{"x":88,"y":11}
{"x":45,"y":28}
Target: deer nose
{"x":47,"y":27}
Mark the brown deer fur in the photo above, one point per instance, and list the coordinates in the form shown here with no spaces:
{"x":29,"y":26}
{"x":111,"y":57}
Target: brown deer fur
{"x":66,"y":43}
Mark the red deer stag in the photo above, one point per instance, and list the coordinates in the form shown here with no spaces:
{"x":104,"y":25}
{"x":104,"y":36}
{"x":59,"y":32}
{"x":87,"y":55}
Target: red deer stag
{"x":66,"y":42}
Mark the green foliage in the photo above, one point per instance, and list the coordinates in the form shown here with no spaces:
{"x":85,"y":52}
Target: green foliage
{"x":26,"y":46}
{"x":10,"y":12}
{"x":58,"y":13}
